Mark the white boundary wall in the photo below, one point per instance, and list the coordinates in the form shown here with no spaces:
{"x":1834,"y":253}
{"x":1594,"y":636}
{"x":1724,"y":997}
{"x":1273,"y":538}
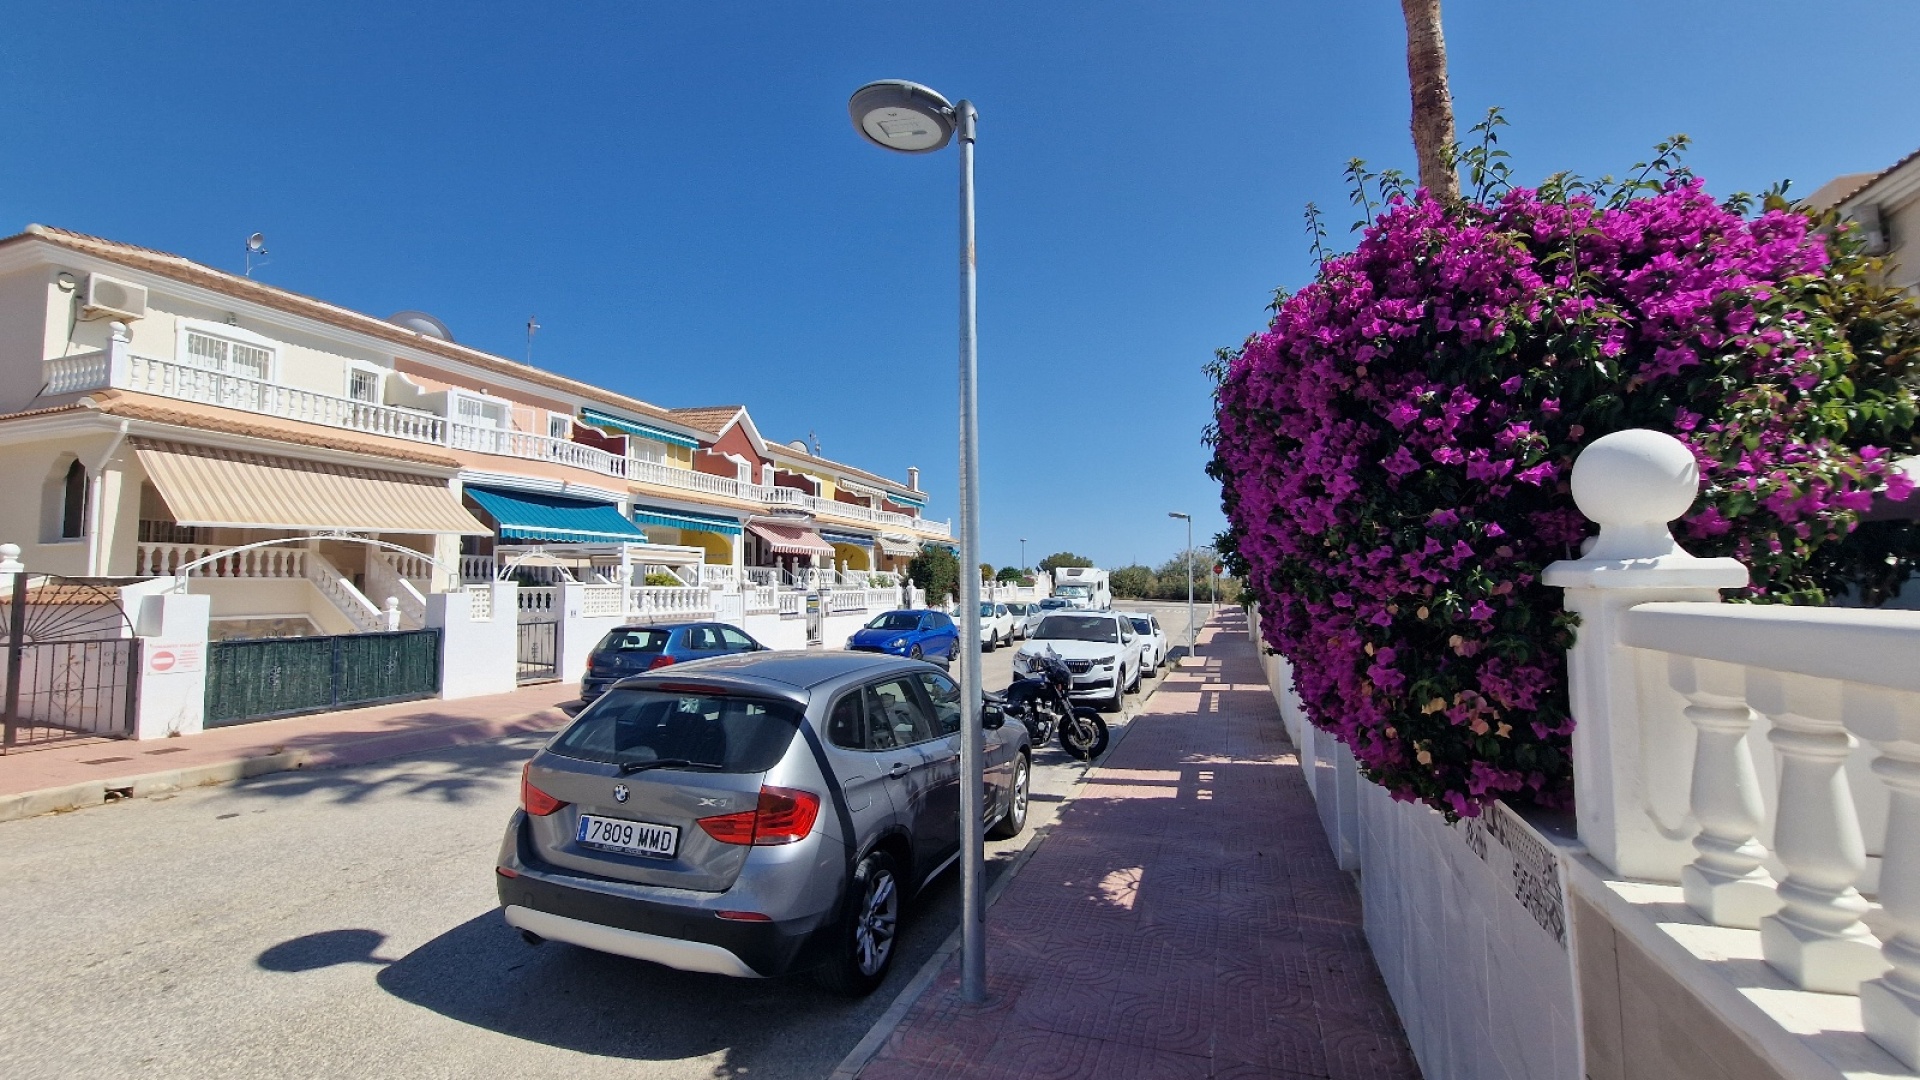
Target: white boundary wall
{"x":1466,"y":922}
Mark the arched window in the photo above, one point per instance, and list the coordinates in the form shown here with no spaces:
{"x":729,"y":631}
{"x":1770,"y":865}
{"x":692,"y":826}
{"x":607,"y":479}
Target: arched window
{"x":73,"y":516}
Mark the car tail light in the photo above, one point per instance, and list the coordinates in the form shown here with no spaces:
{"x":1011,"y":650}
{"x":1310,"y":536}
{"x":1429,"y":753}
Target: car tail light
{"x":660,"y":661}
{"x":534,"y":801}
{"x":743,"y":916}
{"x":782,"y":816}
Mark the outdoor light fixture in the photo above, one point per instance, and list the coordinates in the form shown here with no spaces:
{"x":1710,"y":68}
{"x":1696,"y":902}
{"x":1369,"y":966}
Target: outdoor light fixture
{"x":910,"y":119}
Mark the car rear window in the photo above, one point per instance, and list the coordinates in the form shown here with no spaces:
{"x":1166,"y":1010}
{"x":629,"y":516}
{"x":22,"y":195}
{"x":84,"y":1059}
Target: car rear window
{"x":1141,"y":625}
{"x":724,"y":732}
{"x":634,"y":640}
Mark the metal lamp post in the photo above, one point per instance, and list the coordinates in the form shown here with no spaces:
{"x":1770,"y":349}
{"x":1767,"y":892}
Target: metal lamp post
{"x":1023,"y":556}
{"x":1188,"y":518}
{"x":911,"y":119}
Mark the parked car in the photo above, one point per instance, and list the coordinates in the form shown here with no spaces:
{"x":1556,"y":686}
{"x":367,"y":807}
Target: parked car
{"x":1040,"y":609}
{"x":1153,"y":640}
{"x":1100,"y":648}
{"x":630,"y":650}
{"x":1018,"y":609}
{"x":917,"y":634}
{"x":996,"y":625}
{"x":752,"y":815}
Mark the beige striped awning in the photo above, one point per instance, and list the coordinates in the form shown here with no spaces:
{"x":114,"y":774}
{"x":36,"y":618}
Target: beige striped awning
{"x":211,"y":487}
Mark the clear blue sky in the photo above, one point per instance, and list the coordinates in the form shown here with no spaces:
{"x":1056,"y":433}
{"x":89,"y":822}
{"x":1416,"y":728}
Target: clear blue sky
{"x":676,"y":191}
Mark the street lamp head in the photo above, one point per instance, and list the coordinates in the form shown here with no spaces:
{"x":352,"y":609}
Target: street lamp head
{"x":1179,"y":516}
{"x":897,"y":115}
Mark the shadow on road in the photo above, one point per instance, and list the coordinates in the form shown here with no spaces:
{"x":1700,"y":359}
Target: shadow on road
{"x":445,"y":774}
{"x":311,"y":952}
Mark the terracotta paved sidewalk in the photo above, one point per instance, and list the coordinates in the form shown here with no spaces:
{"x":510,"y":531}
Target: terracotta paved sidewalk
{"x":346,"y":737}
{"x":1184,"y":918}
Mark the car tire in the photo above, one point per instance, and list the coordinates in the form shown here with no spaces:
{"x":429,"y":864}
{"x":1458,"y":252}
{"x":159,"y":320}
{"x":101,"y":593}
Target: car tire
{"x":1134,"y":686}
{"x":1014,"y":821}
{"x":863,"y":944}
{"x":915,"y":653}
{"x":1119,"y":699}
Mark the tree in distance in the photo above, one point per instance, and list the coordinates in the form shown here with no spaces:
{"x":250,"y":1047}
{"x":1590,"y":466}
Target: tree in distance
{"x":1064,"y":558}
{"x":937,"y":571}
{"x":1010,"y":575}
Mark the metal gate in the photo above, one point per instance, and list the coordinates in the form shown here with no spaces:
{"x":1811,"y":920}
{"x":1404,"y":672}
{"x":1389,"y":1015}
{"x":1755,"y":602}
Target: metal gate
{"x":72,"y":666}
{"x":274,"y":677}
{"x":537,"y":651}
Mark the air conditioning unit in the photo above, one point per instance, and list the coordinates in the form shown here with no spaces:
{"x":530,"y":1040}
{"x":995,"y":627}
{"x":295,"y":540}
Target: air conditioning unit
{"x":1873,"y":232}
{"x":111,"y":296}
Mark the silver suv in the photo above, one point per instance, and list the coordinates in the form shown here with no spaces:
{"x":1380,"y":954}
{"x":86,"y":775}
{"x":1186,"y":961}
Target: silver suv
{"x":752,"y":815}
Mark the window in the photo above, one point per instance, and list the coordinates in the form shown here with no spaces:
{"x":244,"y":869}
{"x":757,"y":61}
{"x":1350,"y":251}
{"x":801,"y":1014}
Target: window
{"x":559,"y":427}
{"x":1096,"y":628}
{"x":945,"y":695}
{"x":231,"y":357}
{"x":702,"y":639}
{"x":894,"y":716}
{"x":480,"y":412}
{"x":73,"y":503}
{"x":646,"y":450}
{"x":636,"y":728}
{"x":736,"y":640}
{"x":364,"y":386}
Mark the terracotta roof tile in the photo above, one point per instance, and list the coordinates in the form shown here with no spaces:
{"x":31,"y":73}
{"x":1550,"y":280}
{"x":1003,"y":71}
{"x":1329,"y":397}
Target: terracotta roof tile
{"x":708,"y":418}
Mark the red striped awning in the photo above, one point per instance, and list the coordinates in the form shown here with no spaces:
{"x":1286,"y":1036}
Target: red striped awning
{"x":791,"y":539}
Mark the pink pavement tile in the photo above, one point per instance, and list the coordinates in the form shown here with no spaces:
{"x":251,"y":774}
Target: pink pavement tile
{"x":345,"y":737}
{"x":1184,"y":917}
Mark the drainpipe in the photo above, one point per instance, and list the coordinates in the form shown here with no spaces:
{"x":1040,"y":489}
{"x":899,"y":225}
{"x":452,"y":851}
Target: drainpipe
{"x":96,"y":497}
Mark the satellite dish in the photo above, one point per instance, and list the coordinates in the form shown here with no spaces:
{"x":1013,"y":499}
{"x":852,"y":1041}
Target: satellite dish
{"x":421,"y":323}
{"x":257,"y":243}
{"x":799,"y":444}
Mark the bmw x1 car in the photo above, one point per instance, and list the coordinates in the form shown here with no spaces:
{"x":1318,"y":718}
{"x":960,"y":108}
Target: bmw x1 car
{"x":753,"y":815}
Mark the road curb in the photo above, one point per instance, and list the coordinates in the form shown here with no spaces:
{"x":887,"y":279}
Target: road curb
{"x":91,"y":793}
{"x":910,"y":994}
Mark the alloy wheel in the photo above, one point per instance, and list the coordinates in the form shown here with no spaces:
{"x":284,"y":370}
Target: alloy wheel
{"x":879,"y":918}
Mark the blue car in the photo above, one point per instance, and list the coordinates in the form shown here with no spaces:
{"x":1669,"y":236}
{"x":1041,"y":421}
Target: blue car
{"x":918,"y":635}
{"x":631,"y":650}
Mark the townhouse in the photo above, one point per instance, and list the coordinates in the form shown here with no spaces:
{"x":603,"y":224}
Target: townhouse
{"x":303,"y":464}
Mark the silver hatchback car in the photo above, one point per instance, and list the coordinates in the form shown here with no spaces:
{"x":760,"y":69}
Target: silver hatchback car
{"x":752,"y":815}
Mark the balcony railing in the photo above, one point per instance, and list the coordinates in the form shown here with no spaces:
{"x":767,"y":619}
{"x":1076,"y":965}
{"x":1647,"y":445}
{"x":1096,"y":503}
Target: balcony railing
{"x":102,"y":369}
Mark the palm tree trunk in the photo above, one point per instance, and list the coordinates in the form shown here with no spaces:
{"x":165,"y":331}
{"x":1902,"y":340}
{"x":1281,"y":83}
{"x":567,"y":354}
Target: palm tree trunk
{"x":1432,"y":100}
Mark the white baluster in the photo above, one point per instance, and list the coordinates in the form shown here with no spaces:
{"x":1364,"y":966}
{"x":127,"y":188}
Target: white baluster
{"x":1725,"y":883}
{"x":1816,"y":939}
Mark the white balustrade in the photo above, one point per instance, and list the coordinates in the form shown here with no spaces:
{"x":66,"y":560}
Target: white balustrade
{"x":385,"y":580}
{"x":1825,"y":679}
{"x":538,"y":602}
{"x":760,"y":599}
{"x":791,"y":603}
{"x":478,"y":568}
{"x":75,"y":374}
{"x":365,"y":616}
{"x":162,"y":560}
{"x":846,"y":600}
{"x":188,"y":383}
{"x":661,"y":601}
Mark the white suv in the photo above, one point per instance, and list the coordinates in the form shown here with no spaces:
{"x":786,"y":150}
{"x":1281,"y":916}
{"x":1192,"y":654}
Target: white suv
{"x":1153,"y":640}
{"x":1100,"y":648}
{"x":996,"y":625}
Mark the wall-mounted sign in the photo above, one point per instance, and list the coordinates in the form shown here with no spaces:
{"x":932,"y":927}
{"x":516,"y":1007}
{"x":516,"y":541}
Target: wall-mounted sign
{"x":164,"y":659}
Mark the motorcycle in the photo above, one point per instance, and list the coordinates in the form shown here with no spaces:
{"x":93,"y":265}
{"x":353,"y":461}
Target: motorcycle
{"x":1040,"y":700}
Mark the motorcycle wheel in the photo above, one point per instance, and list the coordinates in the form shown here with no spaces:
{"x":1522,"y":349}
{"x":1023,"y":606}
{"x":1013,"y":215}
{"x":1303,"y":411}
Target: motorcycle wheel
{"x":1083,"y":735}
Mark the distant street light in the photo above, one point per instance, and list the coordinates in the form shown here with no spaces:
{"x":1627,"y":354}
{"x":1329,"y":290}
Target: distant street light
{"x":1023,"y":556}
{"x":912,"y":119}
{"x":1188,"y":518}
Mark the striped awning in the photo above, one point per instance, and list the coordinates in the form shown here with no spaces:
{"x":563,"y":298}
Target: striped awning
{"x":216,"y":488}
{"x":526,"y":515}
{"x":854,"y":539}
{"x":904,"y":499}
{"x":791,"y":539}
{"x":682,"y":519}
{"x":635,"y":427}
{"x":899,"y":545}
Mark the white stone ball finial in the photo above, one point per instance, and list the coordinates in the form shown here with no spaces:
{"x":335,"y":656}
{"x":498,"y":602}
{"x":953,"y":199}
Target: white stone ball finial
{"x":10,"y":559}
{"x":1632,"y":483}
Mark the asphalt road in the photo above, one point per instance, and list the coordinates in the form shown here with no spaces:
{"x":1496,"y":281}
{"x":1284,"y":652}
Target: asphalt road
{"x":343,"y":923}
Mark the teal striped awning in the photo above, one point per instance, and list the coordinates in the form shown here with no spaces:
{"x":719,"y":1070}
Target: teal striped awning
{"x":681,"y":519}
{"x":526,"y":515}
{"x":846,"y":538}
{"x":905,"y":499}
{"x":635,"y":427}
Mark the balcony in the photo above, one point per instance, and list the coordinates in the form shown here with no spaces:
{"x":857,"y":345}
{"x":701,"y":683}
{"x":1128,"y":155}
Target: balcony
{"x":119,"y":370}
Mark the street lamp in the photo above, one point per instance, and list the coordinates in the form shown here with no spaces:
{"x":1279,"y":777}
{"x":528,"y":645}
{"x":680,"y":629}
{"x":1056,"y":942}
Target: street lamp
{"x":912,"y":119}
{"x":1023,"y":556}
{"x":1188,"y":518}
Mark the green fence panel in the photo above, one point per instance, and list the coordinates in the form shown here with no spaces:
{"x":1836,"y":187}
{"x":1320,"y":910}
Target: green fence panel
{"x":387,"y":667}
{"x":261,"y":680}
{"x":255,"y":680}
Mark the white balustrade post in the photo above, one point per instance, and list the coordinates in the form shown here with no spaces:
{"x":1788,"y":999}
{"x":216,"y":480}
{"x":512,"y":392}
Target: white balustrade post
{"x":119,"y":355}
{"x":1816,"y":939}
{"x":1632,"y":483}
{"x":391,"y":614}
{"x":1725,"y":883}
{"x":10,"y":559}
{"x":1890,"y":1005}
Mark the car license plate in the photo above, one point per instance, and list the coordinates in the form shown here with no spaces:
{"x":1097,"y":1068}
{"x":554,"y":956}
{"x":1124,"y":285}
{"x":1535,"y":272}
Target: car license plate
{"x":632,"y":837}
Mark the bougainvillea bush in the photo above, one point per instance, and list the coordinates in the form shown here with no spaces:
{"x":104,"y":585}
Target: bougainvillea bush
{"x":1394,"y":451}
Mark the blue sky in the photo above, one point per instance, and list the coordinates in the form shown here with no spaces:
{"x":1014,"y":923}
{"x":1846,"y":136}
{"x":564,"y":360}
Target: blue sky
{"x":676,"y":191}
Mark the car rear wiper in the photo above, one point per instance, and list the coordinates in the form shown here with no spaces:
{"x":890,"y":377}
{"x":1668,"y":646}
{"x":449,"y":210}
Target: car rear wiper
{"x":667,"y":763}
